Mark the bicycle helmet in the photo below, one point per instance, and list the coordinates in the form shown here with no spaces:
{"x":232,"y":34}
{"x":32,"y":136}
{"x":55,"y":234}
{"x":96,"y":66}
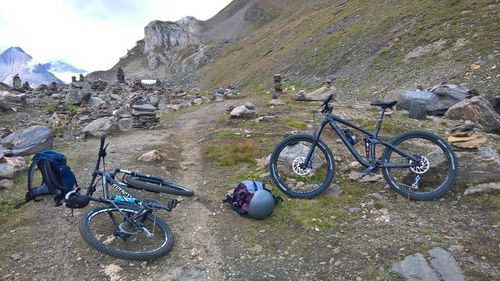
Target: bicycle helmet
{"x":251,"y":198}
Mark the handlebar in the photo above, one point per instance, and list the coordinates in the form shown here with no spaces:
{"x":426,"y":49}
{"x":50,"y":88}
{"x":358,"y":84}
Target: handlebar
{"x":326,"y":104}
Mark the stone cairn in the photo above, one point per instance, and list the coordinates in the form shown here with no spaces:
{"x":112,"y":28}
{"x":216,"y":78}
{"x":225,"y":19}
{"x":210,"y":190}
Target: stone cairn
{"x":278,"y":88}
{"x":144,"y":116}
{"x":120,"y":76}
{"x":17,"y":84}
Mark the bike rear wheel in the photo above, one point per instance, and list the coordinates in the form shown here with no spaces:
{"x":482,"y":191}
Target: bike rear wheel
{"x":157,"y":186}
{"x":107,"y":230}
{"x":294,"y":178}
{"x":432,"y":178}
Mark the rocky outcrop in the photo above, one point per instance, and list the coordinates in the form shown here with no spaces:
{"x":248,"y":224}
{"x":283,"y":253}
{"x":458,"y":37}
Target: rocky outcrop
{"x":478,"y":110}
{"x":243,"y":111}
{"x":436,"y":100}
{"x":11,"y":101}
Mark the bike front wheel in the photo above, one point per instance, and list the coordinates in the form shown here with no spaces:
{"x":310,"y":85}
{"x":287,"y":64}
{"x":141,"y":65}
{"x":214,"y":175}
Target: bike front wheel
{"x":156,"y":186}
{"x":296,"y":178}
{"x":435,"y":174}
{"x":107,"y":230}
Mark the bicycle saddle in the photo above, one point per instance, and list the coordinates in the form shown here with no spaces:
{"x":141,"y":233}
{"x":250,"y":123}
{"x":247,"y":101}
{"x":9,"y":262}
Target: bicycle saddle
{"x":384,"y":104}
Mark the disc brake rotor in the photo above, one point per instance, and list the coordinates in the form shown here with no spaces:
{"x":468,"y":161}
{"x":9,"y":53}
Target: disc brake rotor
{"x":422,"y":168}
{"x":296,"y":166}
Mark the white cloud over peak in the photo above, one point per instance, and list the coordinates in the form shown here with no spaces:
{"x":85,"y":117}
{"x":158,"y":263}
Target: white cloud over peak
{"x":90,"y":34}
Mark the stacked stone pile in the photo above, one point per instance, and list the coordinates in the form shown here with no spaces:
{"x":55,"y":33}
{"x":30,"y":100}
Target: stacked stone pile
{"x":144,"y":116}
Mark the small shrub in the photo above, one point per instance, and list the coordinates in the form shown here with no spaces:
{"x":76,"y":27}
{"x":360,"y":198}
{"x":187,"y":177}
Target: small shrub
{"x":378,"y":205}
{"x":72,"y":109}
{"x":51,"y":107}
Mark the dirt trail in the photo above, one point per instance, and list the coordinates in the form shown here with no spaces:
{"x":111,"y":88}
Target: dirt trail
{"x":42,"y":242}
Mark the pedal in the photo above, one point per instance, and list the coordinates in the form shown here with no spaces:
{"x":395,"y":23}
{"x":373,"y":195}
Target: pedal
{"x":172,"y":203}
{"x":366,"y":172}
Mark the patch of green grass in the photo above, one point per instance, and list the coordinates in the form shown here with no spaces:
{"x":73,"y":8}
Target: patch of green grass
{"x":297,"y":124}
{"x":51,"y":107}
{"x":436,"y":239}
{"x":72,"y":109}
{"x":425,"y":231}
{"x":224,"y":134}
{"x":378,"y":205}
{"x":231,"y":152}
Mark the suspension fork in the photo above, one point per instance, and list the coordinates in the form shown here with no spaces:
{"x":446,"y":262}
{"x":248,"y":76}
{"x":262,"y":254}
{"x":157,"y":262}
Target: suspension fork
{"x":307,"y":161}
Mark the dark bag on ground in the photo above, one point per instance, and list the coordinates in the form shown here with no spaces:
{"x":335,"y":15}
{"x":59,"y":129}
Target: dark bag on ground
{"x":57,"y":177}
{"x":252,"y":199}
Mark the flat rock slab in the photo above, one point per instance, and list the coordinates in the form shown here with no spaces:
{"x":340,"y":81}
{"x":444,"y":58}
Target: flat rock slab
{"x":444,"y":263}
{"x":144,"y":107}
{"x":443,"y":267}
{"x":415,"y":268}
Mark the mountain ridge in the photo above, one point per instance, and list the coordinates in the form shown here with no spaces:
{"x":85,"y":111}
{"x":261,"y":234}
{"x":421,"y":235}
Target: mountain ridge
{"x":358,"y":46}
{"x":15,"y":60}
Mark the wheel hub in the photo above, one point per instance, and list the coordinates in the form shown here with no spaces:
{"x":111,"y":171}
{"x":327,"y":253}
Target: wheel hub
{"x":298,"y":168}
{"x":422,"y":168}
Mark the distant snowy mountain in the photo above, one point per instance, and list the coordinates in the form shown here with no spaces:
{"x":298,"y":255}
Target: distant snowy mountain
{"x":15,"y":61}
{"x":63,"y":70}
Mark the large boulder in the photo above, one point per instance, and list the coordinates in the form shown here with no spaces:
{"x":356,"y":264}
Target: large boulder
{"x":244,"y":111}
{"x":320,"y":94}
{"x":10,"y":100}
{"x":436,"y":100}
{"x":478,"y":110}
{"x":27,"y":142}
{"x":101,"y":127}
{"x":478,"y":166}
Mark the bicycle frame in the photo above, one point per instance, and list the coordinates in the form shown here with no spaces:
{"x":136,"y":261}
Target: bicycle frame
{"x":372,"y":140}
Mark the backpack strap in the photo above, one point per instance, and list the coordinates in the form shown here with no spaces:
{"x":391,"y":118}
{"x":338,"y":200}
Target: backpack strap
{"x":234,"y":205}
{"x":29,"y":195}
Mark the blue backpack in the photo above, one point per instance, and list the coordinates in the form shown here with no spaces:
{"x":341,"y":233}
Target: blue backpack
{"x":57,"y":177}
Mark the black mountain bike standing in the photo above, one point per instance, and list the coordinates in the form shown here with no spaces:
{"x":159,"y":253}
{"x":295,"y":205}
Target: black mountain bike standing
{"x":418,"y":165}
{"x":126,"y":226}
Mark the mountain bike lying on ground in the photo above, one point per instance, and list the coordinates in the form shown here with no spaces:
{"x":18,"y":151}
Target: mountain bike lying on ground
{"x":418,"y":165}
{"x":126,"y":226}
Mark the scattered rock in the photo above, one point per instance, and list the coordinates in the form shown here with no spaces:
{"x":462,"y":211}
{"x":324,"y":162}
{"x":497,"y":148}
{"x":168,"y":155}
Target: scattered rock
{"x":28,"y":141}
{"x":436,"y":100}
{"x":492,"y":187}
{"x":101,"y":127}
{"x":414,"y":268}
{"x":150,"y":156}
{"x":243,"y":111}
{"x":334,"y":190}
{"x":6,"y":183}
{"x":444,"y":263}
{"x":276,"y":102}
{"x":112,"y":270}
{"x":461,"y":140}
{"x":479,"y":111}
{"x":353,"y":175}
{"x":476,"y":166}
{"x":12,"y":101}
{"x":96,"y":102}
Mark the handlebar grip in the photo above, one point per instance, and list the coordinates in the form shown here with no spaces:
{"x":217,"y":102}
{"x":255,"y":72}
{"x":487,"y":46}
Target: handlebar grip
{"x":328,"y":99}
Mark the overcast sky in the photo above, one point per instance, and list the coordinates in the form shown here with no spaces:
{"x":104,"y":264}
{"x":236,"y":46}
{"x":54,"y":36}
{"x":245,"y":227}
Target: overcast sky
{"x":90,"y":34}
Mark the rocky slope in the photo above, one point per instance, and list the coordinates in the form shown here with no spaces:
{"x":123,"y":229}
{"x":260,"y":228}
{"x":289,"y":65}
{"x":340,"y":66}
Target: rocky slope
{"x":359,"y":46}
{"x":15,"y":61}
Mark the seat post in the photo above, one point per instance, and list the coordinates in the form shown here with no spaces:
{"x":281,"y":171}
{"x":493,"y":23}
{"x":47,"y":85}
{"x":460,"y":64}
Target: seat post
{"x":379,"y":122}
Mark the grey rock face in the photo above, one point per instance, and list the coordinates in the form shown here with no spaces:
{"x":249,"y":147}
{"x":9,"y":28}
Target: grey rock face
{"x":417,"y":110}
{"x":436,"y":101}
{"x":492,"y":187}
{"x":415,"y":268}
{"x":476,"y":166}
{"x":445,"y":264}
{"x":478,"y":110}
{"x":96,"y":102}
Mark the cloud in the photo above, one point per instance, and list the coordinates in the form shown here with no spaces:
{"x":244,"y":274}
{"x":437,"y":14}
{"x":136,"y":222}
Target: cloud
{"x":90,"y":34}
